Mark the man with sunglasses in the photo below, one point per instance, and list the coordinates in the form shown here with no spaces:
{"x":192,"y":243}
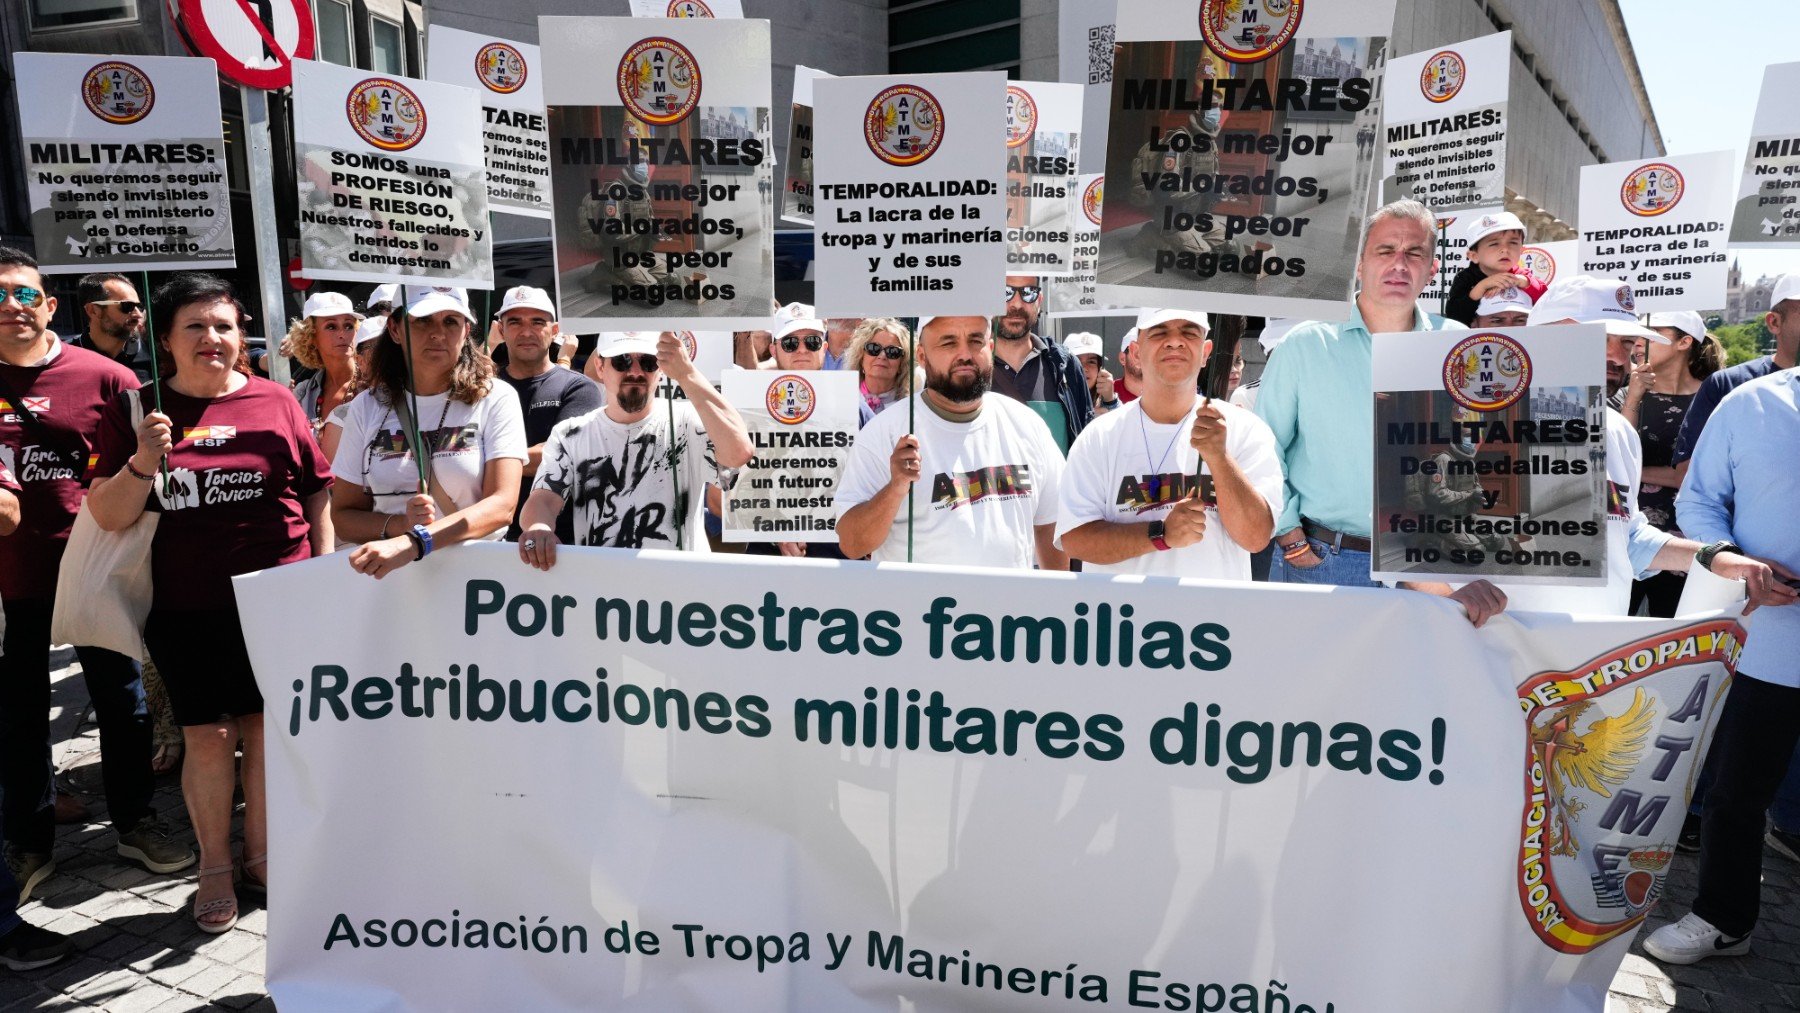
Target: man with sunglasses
{"x":115,"y":322}
{"x":547,"y":395}
{"x":54,"y":394}
{"x":632,"y":481}
{"x":799,"y":343}
{"x":1035,"y":371}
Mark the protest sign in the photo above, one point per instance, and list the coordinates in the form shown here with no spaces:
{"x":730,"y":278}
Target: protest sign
{"x":1240,"y":154}
{"x":1043,"y":143}
{"x":1074,"y":293}
{"x":908,"y":188}
{"x":804,"y":424}
{"x":1084,"y":56}
{"x":1488,"y":456}
{"x":687,"y":8}
{"x":1452,"y":249}
{"x":661,"y":172}
{"x":835,"y":786}
{"x":1544,"y":262}
{"x":516,"y":148}
{"x":1767,"y":213}
{"x":1444,"y":142}
{"x":1660,"y":225}
{"x":796,"y":189}
{"x":392,"y":184}
{"x":124,"y":162}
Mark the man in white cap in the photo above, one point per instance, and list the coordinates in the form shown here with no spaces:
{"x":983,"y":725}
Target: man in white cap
{"x":1173,"y":483}
{"x":1508,"y":307}
{"x":635,"y":472}
{"x":1088,"y":350}
{"x":547,"y":395}
{"x":1782,"y":321}
{"x":987,"y":467}
{"x":799,"y":343}
{"x":1132,"y":382}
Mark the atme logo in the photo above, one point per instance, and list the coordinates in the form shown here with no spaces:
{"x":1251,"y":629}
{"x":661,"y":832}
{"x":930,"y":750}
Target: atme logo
{"x":1538,"y":264}
{"x":1443,"y":76}
{"x":117,"y":92}
{"x":688,"y":9}
{"x":904,"y":124}
{"x":1652,"y":189}
{"x":791,"y":400}
{"x":1487,"y":372}
{"x":1021,"y":116}
{"x":1249,"y":31}
{"x":659,"y":81}
{"x":1092,"y":198}
{"x":500,"y":67}
{"x":386,"y":113}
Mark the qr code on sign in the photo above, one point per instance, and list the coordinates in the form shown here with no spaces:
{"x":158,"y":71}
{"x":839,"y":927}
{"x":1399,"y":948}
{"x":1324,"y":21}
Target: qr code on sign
{"x":1100,"y":54}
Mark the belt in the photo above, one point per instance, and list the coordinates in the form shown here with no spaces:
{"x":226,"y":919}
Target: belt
{"x":1337,"y":539}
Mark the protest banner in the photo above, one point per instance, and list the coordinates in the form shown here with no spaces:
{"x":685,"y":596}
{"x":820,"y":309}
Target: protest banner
{"x":1084,"y":56}
{"x":515,"y":145}
{"x":1544,"y":262}
{"x":796,"y":189}
{"x":1660,"y":224}
{"x":660,"y":172}
{"x":687,"y":8}
{"x":1240,"y":154}
{"x":1767,"y":212}
{"x":1444,"y":141}
{"x":1489,"y":456}
{"x":124,"y":162}
{"x":392,"y":184}
{"x":726,"y":783}
{"x":1452,"y":248}
{"x":804,"y":424}
{"x":1043,"y":144}
{"x":1075,"y":293}
{"x":908,"y":188}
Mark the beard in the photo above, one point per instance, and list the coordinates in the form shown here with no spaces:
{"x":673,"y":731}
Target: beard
{"x":1616,"y":379}
{"x":1013,"y":327}
{"x":961,"y":392}
{"x":633,"y":398}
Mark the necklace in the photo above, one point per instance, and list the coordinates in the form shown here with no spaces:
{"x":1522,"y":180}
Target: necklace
{"x":1156,"y":474}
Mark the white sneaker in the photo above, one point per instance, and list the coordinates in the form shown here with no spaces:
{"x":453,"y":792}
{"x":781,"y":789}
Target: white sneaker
{"x":1693,"y":939}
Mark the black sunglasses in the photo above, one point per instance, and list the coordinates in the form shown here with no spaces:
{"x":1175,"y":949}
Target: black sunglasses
{"x":28,"y":297}
{"x":792,"y":343}
{"x":125,"y":305}
{"x":622,"y":363}
{"x":1027,"y":294}
{"x":890,"y":351}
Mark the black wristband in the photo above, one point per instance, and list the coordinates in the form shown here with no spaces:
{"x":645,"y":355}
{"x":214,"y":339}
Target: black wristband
{"x":418,"y":544}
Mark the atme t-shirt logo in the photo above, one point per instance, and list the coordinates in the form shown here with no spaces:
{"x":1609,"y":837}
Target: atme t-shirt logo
{"x":1652,"y":189}
{"x":117,"y":92}
{"x":1538,"y":265}
{"x":1249,"y":31}
{"x":1092,"y":198}
{"x":500,"y":67}
{"x":659,"y":81}
{"x":904,"y":124}
{"x":1487,"y":372}
{"x":791,"y":400}
{"x":1443,"y":76}
{"x":689,"y":9}
{"x":1021,"y":117}
{"x":966,"y":488}
{"x":386,"y":113}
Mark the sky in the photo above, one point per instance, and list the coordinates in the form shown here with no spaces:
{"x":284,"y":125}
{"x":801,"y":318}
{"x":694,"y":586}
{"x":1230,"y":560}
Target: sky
{"x":1704,"y":98}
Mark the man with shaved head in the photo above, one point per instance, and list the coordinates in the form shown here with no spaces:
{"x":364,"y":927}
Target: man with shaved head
{"x":956,"y":476}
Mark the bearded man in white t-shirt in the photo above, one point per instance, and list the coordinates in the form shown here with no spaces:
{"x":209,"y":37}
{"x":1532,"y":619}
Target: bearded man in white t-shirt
{"x":1172,"y":483}
{"x":986,"y":468}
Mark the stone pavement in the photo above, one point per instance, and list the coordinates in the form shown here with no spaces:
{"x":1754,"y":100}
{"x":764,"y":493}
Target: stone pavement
{"x":138,"y":950}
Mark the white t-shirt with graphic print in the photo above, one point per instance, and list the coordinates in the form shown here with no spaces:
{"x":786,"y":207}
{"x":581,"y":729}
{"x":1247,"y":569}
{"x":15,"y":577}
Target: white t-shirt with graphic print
{"x":618,"y":480}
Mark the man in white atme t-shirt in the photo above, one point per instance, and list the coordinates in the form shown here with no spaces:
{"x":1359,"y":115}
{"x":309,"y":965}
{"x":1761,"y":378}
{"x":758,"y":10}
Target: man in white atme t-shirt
{"x":1171,"y":484}
{"x":977,"y":475}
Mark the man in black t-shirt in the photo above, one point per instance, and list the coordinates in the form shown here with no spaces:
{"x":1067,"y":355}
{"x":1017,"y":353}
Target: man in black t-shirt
{"x":548,"y":393}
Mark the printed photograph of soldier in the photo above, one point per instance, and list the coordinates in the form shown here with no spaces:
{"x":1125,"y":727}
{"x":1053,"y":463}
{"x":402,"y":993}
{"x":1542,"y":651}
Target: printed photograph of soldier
{"x":1234,"y":196}
{"x":649,"y":223}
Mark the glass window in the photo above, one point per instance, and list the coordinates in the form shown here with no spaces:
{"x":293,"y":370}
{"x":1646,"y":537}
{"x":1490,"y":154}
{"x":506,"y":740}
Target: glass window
{"x":51,"y":14}
{"x":387,"y":47}
{"x":334,"y":44}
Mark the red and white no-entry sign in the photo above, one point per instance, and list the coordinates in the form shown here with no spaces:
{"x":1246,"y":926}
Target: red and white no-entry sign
{"x":254,"y":42}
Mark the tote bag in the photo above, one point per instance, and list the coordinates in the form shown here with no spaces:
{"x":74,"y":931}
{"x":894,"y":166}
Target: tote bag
{"x":103,"y":585}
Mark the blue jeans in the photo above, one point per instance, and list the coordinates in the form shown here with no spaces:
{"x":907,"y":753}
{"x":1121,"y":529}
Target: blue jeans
{"x":1341,"y":567}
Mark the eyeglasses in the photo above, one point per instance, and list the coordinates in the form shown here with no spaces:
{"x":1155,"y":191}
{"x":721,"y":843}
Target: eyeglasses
{"x":792,"y":343}
{"x":124,"y":304}
{"x":890,"y":351}
{"x":1026,"y":294}
{"x":28,"y":297}
{"x":622,"y":363}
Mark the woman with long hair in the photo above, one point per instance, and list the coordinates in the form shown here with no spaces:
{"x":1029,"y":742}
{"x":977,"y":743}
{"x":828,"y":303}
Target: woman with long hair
{"x":881,"y":354}
{"x":324,"y":340}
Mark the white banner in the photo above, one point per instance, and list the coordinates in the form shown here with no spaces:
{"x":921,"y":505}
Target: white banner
{"x":664,"y":189}
{"x":1084,"y":56}
{"x":392,"y":184}
{"x":508,"y":77}
{"x":1660,"y":224}
{"x":1043,"y":145}
{"x":797,"y":185}
{"x":124,"y":163}
{"x":907,"y":188}
{"x":1074,"y":294}
{"x":1767,"y":212}
{"x":804,"y":424}
{"x":659,"y":780}
{"x":1444,"y":140}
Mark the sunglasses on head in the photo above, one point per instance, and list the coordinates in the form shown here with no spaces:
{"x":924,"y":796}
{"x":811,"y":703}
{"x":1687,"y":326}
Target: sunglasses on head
{"x":1027,"y":294}
{"x":125,"y":305}
{"x":791,"y":343}
{"x":622,"y":363}
{"x":890,"y":351}
{"x":28,"y":297}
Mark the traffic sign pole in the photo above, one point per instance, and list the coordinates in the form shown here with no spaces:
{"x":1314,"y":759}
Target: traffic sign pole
{"x":269,"y":270}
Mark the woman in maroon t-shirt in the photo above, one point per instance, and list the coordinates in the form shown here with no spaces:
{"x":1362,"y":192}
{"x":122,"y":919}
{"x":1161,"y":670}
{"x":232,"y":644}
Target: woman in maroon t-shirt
{"x":246,"y":488}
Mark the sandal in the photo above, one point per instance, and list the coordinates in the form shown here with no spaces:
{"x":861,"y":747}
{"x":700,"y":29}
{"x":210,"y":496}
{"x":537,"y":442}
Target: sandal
{"x":166,"y":759}
{"x":250,"y":884}
{"x":218,"y":905}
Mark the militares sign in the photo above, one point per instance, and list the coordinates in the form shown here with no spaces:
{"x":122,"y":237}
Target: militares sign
{"x":1043,"y":145}
{"x":797,"y":185}
{"x":978,"y":789}
{"x":509,"y":78}
{"x":1444,"y":139}
{"x":804,"y":424}
{"x":1767,"y":213}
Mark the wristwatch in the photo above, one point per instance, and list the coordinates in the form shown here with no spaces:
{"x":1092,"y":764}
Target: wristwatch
{"x":1156,"y":537}
{"x":1705,"y":556}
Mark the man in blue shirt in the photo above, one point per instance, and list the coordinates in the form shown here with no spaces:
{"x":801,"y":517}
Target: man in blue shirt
{"x":1783,"y":321}
{"x":1739,"y":499}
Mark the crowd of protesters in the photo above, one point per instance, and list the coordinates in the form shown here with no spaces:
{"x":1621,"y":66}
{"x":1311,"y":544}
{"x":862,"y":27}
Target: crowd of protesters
{"x":416,"y":425}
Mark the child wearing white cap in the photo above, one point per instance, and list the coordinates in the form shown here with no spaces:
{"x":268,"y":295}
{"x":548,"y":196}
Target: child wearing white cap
{"x":1496,"y":242}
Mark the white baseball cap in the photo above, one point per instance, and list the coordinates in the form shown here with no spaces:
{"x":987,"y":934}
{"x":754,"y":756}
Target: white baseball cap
{"x":1510,"y":299}
{"x":329,"y":304}
{"x":1151,"y":318}
{"x":1686,"y":321}
{"x":1786,"y":287}
{"x":370,"y":329}
{"x":1129,"y":340}
{"x":526,"y":297}
{"x":425,"y":300}
{"x":1084,"y":343}
{"x":794,"y":325}
{"x":613,"y":343}
{"x":389,"y":293}
{"x":791,"y":311}
{"x":1275,"y":331}
{"x":1486,"y":225}
{"x":1591,"y":299}
{"x":925,"y":322}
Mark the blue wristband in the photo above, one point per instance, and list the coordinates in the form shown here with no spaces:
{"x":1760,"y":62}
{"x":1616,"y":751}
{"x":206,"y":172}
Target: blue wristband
{"x":422,"y":539}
